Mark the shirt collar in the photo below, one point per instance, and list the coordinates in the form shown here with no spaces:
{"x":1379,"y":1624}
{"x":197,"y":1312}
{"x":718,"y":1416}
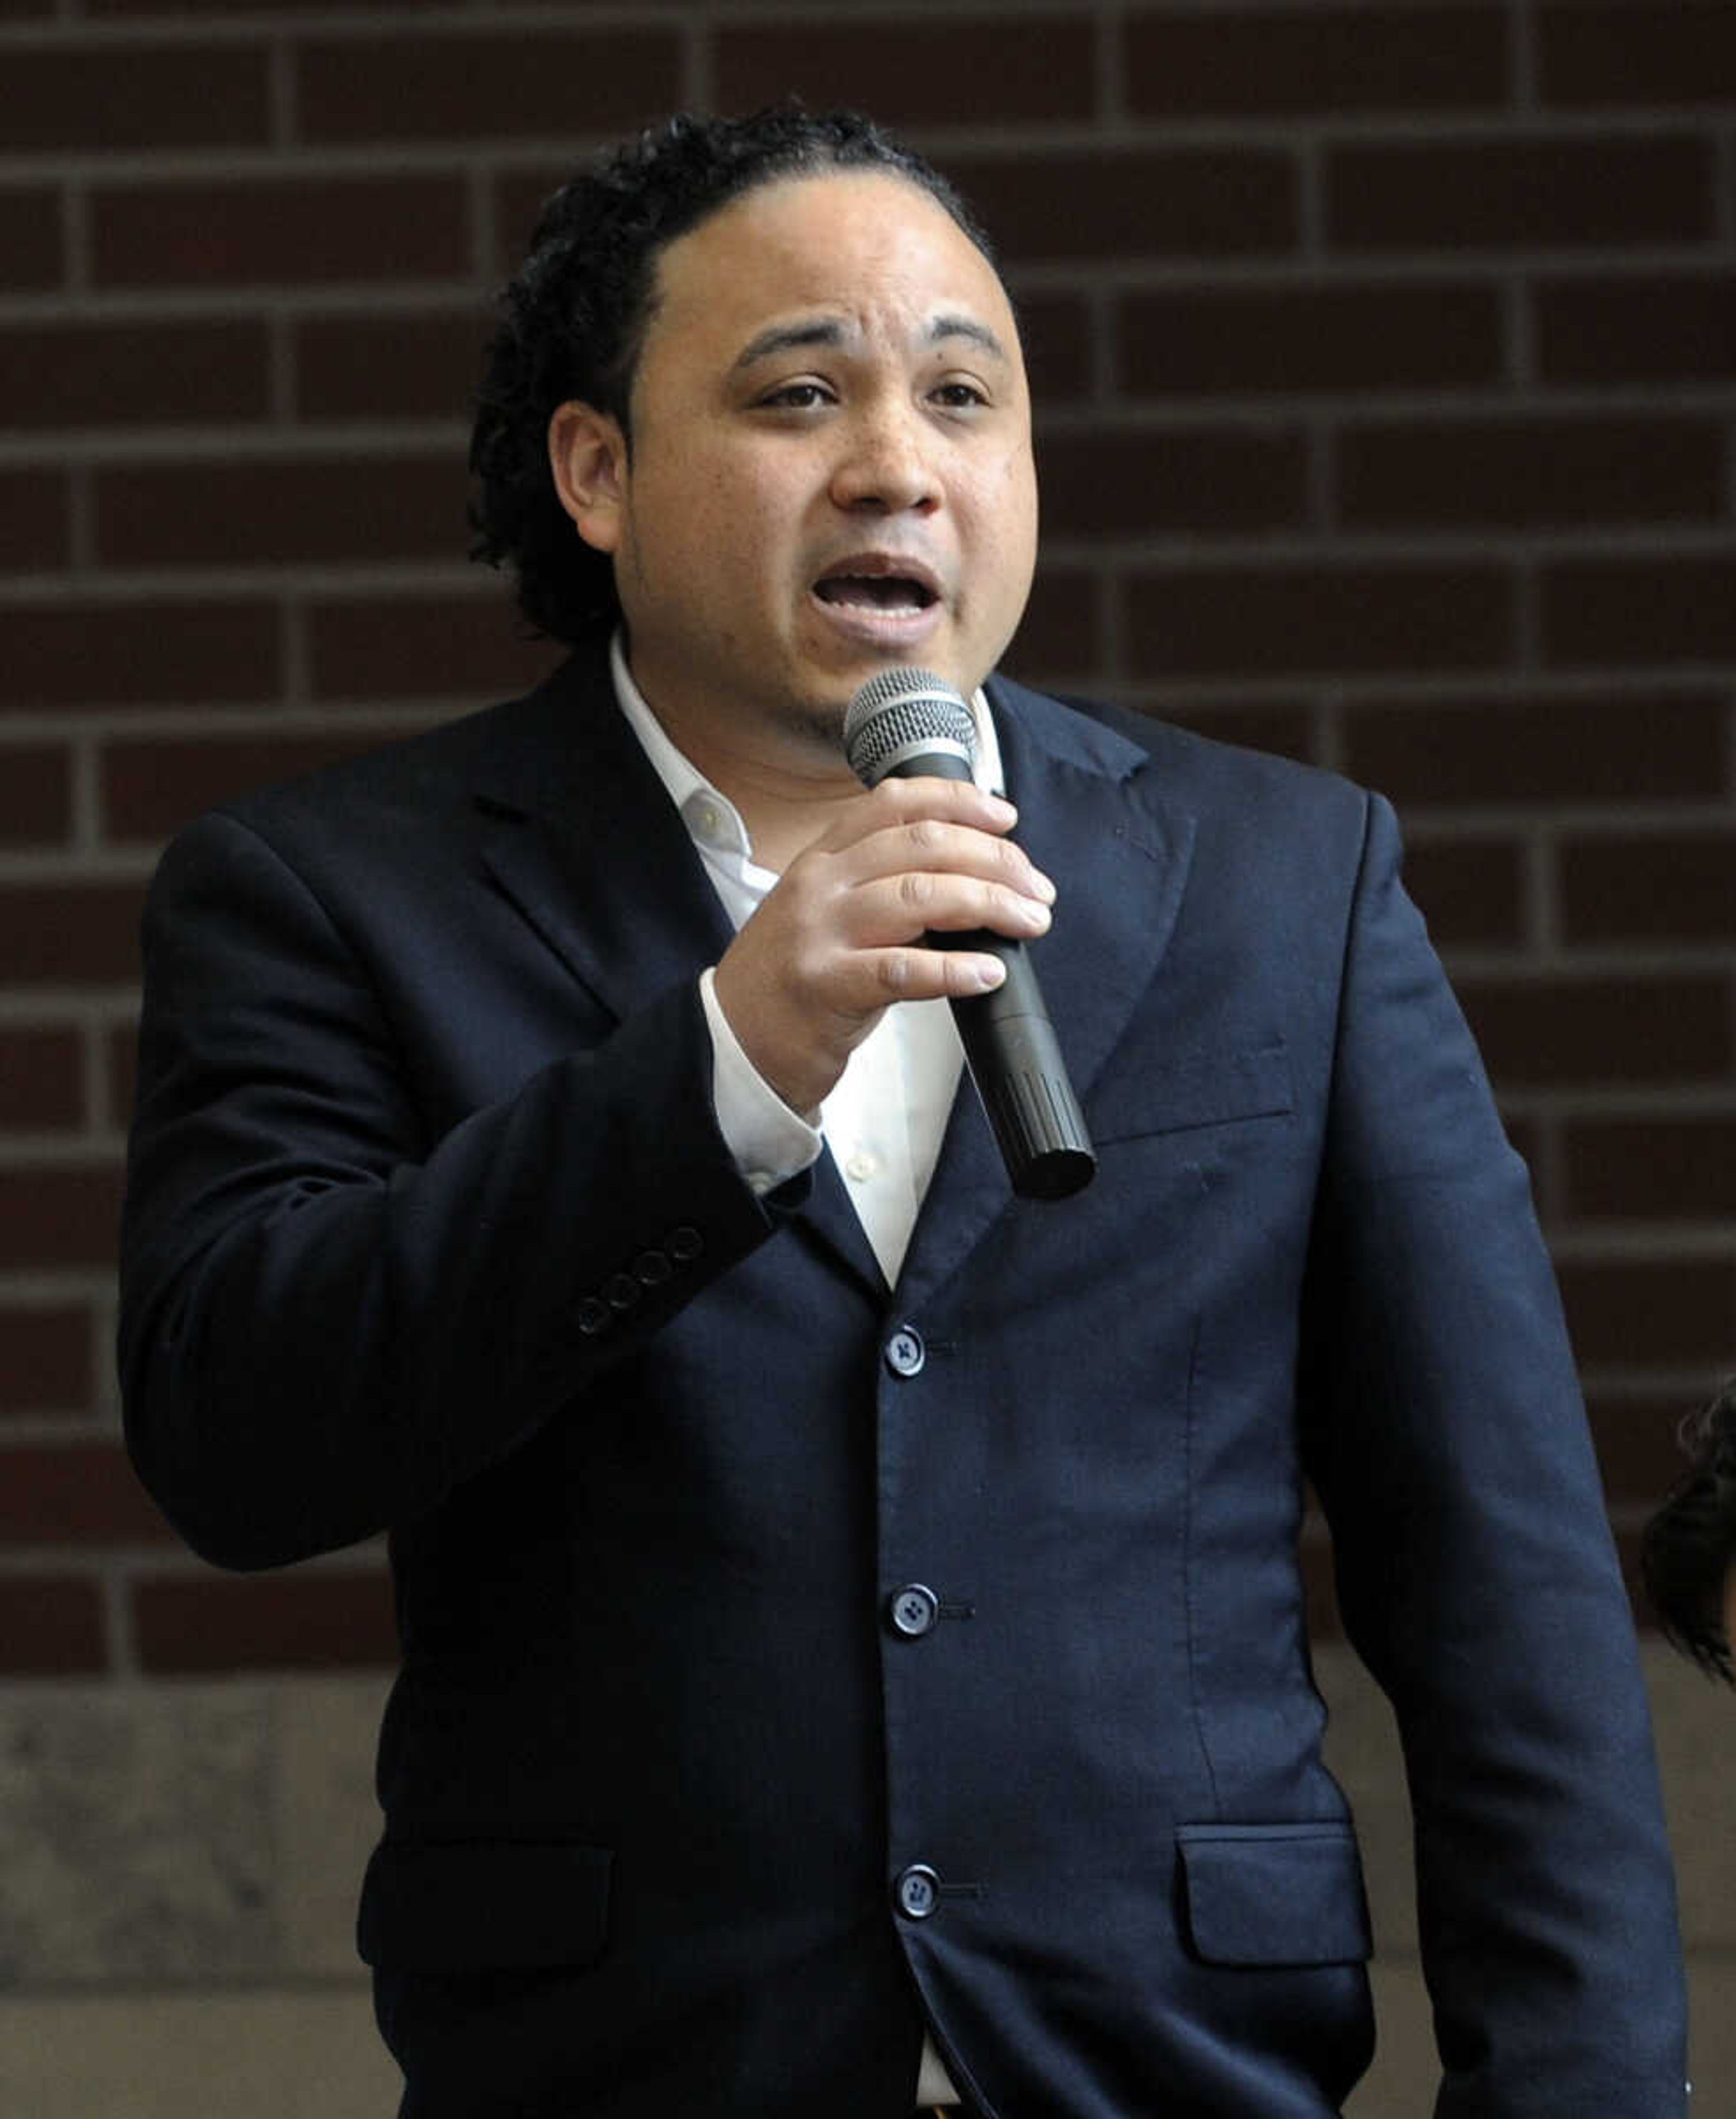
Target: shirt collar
{"x":711,"y":818}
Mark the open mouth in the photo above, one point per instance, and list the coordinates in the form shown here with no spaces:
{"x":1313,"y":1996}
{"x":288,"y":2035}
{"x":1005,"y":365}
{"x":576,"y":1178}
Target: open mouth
{"x":895,"y":592}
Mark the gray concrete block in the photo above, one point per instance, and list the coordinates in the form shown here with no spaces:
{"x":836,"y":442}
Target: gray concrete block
{"x":256,"y":2055}
{"x":1711,"y":2041}
{"x":136,"y":1837}
{"x":1694,"y":1722}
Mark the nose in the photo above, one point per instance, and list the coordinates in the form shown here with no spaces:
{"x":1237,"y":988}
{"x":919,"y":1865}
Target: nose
{"x":884,"y":466}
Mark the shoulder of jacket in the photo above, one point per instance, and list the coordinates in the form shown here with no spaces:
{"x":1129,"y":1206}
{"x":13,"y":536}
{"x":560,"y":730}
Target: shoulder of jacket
{"x":1203,"y":771}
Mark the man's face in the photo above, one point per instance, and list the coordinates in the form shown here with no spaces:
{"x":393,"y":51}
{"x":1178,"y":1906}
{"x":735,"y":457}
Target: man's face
{"x":830,"y":468}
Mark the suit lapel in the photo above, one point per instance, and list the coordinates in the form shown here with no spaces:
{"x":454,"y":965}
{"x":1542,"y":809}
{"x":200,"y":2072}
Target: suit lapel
{"x":1089,"y":816}
{"x":578,"y":831}
{"x":580,"y":834}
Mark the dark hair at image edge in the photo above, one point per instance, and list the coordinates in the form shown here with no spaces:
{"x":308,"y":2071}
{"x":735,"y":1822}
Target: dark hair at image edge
{"x":1690,"y":1544}
{"x":576,"y":312}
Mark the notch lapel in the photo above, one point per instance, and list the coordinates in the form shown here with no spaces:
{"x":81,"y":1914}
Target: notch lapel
{"x":580,"y":834}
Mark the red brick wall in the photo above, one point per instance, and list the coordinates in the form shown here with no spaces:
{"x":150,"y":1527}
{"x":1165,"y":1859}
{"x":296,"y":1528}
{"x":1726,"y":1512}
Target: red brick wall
{"x":1387,"y":365}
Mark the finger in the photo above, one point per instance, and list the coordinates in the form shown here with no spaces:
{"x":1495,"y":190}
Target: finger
{"x":904,"y":907}
{"x":882,"y":977}
{"x":899,"y":801}
{"x":928,"y":847}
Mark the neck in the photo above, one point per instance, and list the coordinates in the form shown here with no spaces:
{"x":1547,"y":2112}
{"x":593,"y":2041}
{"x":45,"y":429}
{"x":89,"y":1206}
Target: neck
{"x":785,"y":774}
{"x":784,"y":810}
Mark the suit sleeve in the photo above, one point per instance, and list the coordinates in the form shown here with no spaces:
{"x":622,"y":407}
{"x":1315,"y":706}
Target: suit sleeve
{"x":1475,"y":1569}
{"x":328,"y":1320}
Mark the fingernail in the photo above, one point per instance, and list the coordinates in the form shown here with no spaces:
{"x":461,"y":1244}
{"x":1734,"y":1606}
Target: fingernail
{"x":991,"y":972}
{"x":1041,"y":887}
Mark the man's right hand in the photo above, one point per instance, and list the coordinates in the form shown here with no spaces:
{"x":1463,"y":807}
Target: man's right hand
{"x":841,"y":936}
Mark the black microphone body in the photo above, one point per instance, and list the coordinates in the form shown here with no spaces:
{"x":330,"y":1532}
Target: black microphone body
{"x":909,"y":724}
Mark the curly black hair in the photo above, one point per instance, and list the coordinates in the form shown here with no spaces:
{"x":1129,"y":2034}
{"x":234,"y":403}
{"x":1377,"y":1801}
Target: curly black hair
{"x":577,"y":311}
{"x":1690,"y":1544}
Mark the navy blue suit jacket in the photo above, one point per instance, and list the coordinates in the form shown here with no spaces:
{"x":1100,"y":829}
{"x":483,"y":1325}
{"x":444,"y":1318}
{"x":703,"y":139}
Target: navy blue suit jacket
{"x":430,"y":1228}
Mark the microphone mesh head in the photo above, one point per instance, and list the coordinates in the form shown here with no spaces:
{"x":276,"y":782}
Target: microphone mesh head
{"x":901,"y":713}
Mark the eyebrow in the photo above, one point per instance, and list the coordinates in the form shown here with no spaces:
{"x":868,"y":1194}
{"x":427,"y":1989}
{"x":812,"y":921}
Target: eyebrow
{"x":968,"y":327}
{"x":829,"y":330}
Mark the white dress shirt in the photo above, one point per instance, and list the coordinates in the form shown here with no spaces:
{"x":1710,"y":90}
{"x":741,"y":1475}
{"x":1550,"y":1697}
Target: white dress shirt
{"x":883,"y":1121}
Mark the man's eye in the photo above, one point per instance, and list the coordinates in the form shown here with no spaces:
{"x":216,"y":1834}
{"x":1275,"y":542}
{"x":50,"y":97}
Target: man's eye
{"x":959,"y":396}
{"x":796,"y":396}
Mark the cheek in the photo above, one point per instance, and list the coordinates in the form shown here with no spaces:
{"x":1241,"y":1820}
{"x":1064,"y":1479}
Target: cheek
{"x":1006,"y":493}
{"x":736,"y":518}
{"x":1021,"y":496}
{"x":1007,"y":509}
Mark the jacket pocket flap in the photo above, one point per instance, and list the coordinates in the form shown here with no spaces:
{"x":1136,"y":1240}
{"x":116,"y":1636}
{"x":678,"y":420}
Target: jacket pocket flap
{"x":1275,"y":1894}
{"x":1218,"y":1090}
{"x":483,"y":1905}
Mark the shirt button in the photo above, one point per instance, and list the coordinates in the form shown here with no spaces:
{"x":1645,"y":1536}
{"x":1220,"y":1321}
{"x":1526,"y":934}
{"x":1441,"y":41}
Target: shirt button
{"x":904,"y":1352}
{"x":918,"y":1891}
{"x":861,"y":1165}
{"x":709,"y":818}
{"x":913,"y":1610}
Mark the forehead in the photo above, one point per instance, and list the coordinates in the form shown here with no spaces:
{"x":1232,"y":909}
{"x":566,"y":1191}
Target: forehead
{"x":863,"y":246}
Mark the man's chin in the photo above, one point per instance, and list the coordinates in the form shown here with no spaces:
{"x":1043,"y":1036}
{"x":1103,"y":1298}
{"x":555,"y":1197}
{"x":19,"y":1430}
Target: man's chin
{"x":816,"y":721}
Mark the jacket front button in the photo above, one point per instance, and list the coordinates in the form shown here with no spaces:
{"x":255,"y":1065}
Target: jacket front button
{"x":913,"y":1610}
{"x":905,"y":1354}
{"x":918,"y":1891}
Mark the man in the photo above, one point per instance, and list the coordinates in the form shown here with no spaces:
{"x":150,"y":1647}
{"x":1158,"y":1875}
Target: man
{"x":1690,"y":1548}
{"x":853,"y":1637}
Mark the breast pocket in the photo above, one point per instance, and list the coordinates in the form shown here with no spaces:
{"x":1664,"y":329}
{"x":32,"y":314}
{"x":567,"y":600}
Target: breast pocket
{"x":1202,"y":1090}
{"x":1273,"y":1894}
{"x":483,"y":1905}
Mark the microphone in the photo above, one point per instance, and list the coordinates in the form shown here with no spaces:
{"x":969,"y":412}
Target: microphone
{"x":912,"y":724}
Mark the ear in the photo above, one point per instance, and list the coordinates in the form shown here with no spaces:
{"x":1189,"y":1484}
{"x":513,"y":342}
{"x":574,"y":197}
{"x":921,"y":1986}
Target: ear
{"x":587,"y":454}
